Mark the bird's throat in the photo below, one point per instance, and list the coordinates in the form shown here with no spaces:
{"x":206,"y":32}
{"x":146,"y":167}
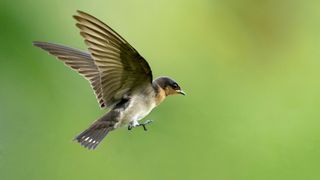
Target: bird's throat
{"x":160,"y":96}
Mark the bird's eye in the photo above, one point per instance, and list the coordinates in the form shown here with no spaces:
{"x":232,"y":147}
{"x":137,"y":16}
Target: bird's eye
{"x":175,"y":85}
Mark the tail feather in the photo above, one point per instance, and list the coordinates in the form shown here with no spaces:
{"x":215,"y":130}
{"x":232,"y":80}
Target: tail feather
{"x":92,"y":137}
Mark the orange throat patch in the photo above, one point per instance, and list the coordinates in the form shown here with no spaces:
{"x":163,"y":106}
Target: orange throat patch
{"x":161,"y":95}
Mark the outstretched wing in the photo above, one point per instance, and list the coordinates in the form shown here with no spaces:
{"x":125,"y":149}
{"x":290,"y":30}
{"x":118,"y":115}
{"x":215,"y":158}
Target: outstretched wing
{"x":79,"y":61}
{"x":121,"y":67}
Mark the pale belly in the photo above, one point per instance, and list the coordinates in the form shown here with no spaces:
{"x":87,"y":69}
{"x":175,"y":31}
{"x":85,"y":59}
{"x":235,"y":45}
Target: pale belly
{"x":138,"y":108}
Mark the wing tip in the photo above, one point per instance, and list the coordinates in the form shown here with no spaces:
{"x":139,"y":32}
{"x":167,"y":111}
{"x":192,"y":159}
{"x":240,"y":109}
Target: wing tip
{"x":79,"y":15}
{"x":80,"y":12}
{"x":37,"y":43}
{"x":42,"y":44}
{"x":76,"y":17}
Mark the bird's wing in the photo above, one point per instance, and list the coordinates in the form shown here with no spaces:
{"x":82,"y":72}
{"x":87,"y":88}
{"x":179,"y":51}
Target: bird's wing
{"x":79,"y":61}
{"x":121,"y":67}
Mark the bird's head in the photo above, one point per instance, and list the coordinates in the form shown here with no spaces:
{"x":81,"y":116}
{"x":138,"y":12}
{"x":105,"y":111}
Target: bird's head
{"x":169,"y":86}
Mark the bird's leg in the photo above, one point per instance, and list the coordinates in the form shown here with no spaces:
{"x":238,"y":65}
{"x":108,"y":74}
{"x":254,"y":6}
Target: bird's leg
{"x":133,"y":124}
{"x":145,"y":123}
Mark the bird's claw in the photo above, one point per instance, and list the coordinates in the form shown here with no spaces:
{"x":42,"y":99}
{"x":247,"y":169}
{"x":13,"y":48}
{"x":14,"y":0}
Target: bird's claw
{"x":145,"y":123}
{"x":130,"y":126}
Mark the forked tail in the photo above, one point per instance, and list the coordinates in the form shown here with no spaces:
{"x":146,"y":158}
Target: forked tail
{"x":91,"y":137}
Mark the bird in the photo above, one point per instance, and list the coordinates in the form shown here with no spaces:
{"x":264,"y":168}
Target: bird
{"x":121,"y":78}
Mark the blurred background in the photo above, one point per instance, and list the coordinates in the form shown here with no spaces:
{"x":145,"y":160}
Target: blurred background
{"x":250,"y":69}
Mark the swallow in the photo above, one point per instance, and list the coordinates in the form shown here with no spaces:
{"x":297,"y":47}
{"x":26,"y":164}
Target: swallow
{"x":120,"y":77}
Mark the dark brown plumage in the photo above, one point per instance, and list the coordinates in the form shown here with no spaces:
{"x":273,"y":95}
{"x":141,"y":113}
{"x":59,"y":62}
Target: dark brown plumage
{"x":120,"y":76}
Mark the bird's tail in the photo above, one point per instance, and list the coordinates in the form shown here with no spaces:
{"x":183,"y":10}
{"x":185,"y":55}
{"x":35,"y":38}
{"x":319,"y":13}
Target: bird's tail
{"x":91,"y":137}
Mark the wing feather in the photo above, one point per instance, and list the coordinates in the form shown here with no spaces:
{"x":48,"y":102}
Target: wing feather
{"x":79,"y":61}
{"x":122,"y":69}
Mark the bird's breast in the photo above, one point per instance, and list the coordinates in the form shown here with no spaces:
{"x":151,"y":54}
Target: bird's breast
{"x":139,"y":107}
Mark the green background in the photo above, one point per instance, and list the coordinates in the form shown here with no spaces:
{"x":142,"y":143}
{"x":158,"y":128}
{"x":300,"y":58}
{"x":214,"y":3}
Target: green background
{"x":251,"y":70}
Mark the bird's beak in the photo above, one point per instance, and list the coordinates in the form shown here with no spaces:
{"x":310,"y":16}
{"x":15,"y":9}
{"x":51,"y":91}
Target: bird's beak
{"x":181,"y":92}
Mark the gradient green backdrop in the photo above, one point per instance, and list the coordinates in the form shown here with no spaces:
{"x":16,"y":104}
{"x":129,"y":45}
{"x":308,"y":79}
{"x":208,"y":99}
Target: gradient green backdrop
{"x":251,"y":69}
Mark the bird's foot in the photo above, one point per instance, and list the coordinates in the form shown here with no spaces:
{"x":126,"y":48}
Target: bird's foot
{"x":145,"y":123}
{"x":130,"y":126}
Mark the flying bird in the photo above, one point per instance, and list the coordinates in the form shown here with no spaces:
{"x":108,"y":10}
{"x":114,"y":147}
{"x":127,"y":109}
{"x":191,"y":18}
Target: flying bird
{"x":120,"y":77}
